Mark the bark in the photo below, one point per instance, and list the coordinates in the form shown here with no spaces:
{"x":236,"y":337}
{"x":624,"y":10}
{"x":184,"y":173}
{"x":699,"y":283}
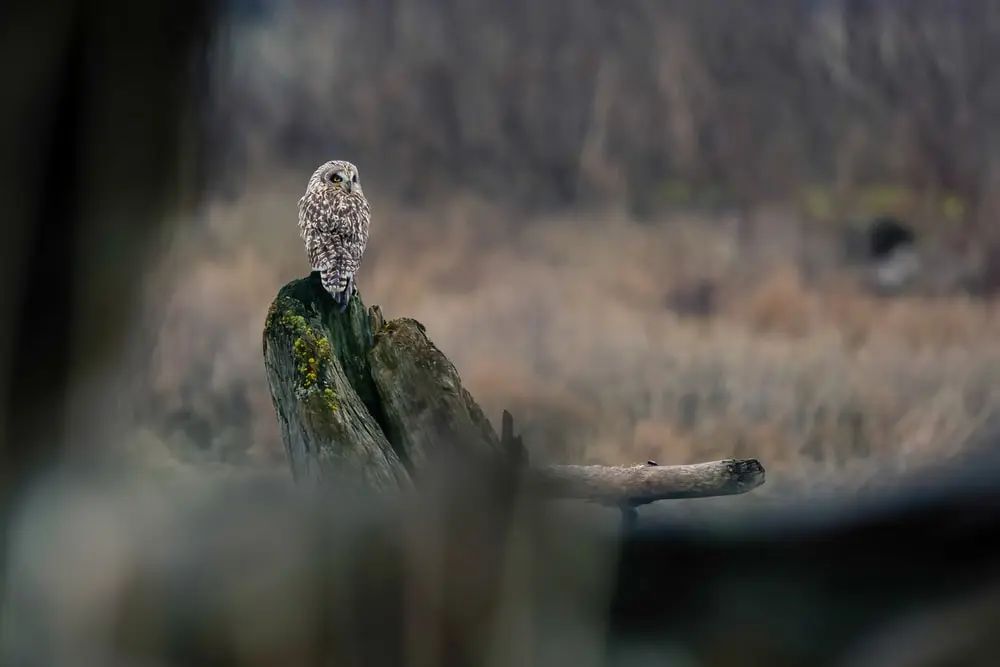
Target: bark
{"x":428,"y":414}
{"x":317,"y":367}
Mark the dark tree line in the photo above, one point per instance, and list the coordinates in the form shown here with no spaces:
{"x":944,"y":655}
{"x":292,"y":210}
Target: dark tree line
{"x":660,"y":102}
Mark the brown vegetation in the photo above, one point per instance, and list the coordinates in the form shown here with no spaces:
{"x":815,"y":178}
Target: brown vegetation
{"x":814,"y":375}
{"x":689,"y":173}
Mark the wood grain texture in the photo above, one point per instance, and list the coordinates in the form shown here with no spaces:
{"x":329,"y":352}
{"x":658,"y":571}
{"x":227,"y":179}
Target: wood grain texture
{"x":429,"y":415}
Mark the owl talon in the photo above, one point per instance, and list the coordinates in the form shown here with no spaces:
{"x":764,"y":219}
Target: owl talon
{"x":344,"y":298}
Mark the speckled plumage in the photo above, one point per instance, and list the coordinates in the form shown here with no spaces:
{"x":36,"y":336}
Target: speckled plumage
{"x":333,"y":222}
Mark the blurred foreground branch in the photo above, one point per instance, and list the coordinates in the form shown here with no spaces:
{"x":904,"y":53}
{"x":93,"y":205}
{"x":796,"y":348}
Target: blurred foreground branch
{"x":373,"y":402}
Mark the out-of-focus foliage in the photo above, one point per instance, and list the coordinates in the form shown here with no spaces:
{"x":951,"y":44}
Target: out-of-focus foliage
{"x":568,"y":101}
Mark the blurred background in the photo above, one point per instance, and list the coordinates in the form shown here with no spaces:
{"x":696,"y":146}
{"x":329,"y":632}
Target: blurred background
{"x":646,"y":229}
{"x":652,"y":230}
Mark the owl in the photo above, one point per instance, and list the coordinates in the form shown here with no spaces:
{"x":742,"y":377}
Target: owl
{"x":333,"y":223}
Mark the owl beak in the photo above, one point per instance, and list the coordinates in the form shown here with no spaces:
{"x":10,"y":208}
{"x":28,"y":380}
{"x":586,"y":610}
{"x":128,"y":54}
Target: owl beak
{"x":349,"y":185}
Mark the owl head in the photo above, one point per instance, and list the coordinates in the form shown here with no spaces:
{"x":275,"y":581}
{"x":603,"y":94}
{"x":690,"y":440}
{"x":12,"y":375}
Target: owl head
{"x":334,"y":176}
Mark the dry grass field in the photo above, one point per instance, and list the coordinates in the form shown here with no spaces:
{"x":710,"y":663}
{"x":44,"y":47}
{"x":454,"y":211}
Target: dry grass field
{"x":611,"y":340}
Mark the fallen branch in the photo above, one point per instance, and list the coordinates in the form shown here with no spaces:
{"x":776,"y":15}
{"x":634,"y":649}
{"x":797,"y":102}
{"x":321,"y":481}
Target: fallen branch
{"x":641,"y":484}
{"x":630,"y":486}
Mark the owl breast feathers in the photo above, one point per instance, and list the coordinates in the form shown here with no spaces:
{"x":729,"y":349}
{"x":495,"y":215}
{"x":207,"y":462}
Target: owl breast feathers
{"x":333,"y":221}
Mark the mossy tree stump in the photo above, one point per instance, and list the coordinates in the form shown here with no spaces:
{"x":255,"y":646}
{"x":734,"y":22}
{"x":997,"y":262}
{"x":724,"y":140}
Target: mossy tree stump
{"x":362,"y":401}
{"x":359,"y":399}
{"x":317,"y":367}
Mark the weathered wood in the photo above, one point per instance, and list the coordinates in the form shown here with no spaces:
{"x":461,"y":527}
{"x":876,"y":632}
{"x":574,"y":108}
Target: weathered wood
{"x":641,"y":484}
{"x":327,"y":405}
{"x":376,"y":402}
{"x":428,"y":413}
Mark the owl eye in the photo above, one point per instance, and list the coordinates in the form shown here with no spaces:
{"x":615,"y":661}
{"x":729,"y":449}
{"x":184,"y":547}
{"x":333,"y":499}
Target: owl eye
{"x":355,"y":178}
{"x":336,"y":178}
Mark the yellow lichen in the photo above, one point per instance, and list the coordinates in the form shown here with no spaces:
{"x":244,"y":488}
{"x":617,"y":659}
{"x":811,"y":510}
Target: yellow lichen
{"x":312,"y":355}
{"x":330,"y":398}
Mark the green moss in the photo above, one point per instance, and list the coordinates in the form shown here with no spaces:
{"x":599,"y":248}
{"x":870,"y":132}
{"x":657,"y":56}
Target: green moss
{"x":330,"y":399}
{"x":312,"y":354}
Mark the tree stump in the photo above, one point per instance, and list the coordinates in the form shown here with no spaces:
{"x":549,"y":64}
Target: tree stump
{"x":326,"y":402}
{"x":362,"y":401}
